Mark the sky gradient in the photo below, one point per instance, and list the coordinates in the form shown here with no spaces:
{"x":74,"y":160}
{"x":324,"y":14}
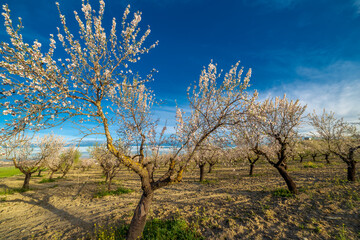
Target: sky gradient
{"x":309,"y":50}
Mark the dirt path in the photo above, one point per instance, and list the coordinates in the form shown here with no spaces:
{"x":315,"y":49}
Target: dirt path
{"x":231,"y":205}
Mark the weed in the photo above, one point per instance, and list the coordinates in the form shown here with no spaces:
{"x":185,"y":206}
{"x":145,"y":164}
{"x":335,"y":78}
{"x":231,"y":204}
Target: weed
{"x":47,"y":180}
{"x":155,"y":229}
{"x":229,"y":199}
{"x":118,"y":191}
{"x":313,"y":165}
{"x":342,"y":234}
{"x":206,"y":181}
{"x":8,"y":191}
{"x":281,"y":192}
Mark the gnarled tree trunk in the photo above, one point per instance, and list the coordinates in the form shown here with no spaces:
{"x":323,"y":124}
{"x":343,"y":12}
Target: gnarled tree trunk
{"x":251,"y":169}
{"x":289,"y":181}
{"x":327,"y":158}
{"x":210,"y":167}
{"x":351,"y":172}
{"x":26,"y":184}
{"x":138,"y":221}
{"x":202,"y":172}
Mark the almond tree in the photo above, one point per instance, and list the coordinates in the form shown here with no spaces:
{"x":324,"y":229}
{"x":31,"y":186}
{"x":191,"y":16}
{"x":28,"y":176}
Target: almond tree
{"x":212,"y":108}
{"x":342,"y":139}
{"x":67,"y":158}
{"x":277,"y":120}
{"x":202,"y":157}
{"x":247,"y":137}
{"x":91,"y":84}
{"x":302,"y":149}
{"x":20,"y":148}
{"x":107,"y":161}
{"x":54,"y":145}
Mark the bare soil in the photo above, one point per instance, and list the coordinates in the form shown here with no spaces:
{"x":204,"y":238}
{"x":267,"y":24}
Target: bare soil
{"x":228,"y":205}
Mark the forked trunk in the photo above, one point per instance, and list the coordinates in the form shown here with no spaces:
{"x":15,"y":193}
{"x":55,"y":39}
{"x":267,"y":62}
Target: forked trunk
{"x":27,"y":181}
{"x":210,"y":168}
{"x":202,"y":172}
{"x":289,"y":182}
{"x":314,"y":157}
{"x":51,"y":175}
{"x":139,"y":219}
{"x":351,"y":171}
{"x":251,"y":169}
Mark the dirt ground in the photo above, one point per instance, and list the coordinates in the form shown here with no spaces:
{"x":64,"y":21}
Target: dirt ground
{"x":229,"y":205}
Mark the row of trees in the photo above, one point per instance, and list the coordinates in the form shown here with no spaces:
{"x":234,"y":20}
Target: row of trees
{"x":51,"y":154}
{"x":95,"y":86}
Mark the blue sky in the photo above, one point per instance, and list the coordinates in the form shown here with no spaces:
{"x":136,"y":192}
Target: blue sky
{"x":307,"y":49}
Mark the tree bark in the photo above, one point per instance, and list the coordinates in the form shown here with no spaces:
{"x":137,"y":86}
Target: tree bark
{"x":327,"y":158}
{"x":301,"y":159}
{"x":210,"y":167}
{"x":138,"y":221}
{"x":202,"y":172}
{"x":51,"y":174}
{"x":27,"y":181}
{"x":39,"y":173}
{"x":109,"y":184}
{"x":289,"y":182}
{"x":314,"y":157}
{"x":351,"y":176}
{"x":251,"y":169}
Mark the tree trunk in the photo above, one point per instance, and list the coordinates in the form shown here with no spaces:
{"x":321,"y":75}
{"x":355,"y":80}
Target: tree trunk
{"x":139,"y":219}
{"x":210,"y":167}
{"x":39,"y":173}
{"x":289,"y":182}
{"x":251,"y":169}
{"x":202,"y":170}
{"x":27,"y":181}
{"x":327,"y":158}
{"x":109,"y":184}
{"x":51,"y":174}
{"x":301,"y":159}
{"x":107,"y":176}
{"x":351,"y":171}
{"x":314,"y":157}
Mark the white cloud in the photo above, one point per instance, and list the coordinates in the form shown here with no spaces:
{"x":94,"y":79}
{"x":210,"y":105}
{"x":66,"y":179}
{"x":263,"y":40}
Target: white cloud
{"x":333,"y":88}
{"x":357,"y":5}
{"x":273,"y":4}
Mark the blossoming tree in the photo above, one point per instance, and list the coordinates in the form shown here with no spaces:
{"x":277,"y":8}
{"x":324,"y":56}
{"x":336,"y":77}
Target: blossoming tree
{"x":342,"y":139}
{"x":277,"y":121}
{"x":92,"y":85}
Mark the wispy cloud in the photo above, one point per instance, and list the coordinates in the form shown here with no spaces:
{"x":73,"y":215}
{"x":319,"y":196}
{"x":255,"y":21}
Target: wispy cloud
{"x":334,"y":88}
{"x":273,"y":4}
{"x":357,"y":5}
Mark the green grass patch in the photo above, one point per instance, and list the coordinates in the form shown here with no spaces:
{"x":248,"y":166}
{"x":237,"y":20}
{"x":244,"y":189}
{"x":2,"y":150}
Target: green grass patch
{"x":313,"y":165}
{"x":281,"y":192}
{"x":118,"y":191}
{"x":47,"y":180}
{"x":155,"y":229}
{"x":9,"y":172}
{"x":206,"y":181}
{"x":8,"y":191}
